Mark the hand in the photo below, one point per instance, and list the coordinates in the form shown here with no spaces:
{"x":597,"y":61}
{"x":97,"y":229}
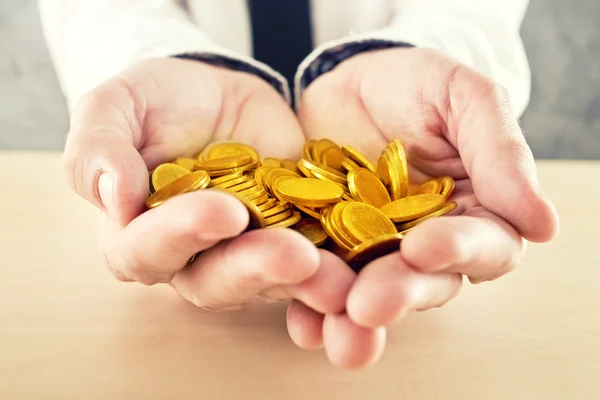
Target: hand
{"x":161,"y":109}
{"x":452,"y":121}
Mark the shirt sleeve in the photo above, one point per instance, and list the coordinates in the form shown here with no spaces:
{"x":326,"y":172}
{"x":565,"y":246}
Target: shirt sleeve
{"x":90,"y":41}
{"x":481,"y":34}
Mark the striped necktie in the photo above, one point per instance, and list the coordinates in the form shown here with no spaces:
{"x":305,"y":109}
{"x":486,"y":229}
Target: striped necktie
{"x":281,"y":34}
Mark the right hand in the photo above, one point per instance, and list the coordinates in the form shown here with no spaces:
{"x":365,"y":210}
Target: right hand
{"x":158,"y":110}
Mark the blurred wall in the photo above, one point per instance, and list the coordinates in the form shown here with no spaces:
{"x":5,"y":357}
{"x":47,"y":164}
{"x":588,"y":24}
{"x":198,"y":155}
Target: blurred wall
{"x":562,"y":39}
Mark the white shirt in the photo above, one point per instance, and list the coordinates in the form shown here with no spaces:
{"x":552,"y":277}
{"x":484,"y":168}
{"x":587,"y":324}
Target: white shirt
{"x":91,"y":40}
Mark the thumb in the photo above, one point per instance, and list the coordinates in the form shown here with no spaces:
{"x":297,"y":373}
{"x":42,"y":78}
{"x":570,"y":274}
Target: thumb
{"x":101,"y":162}
{"x":496,"y":156}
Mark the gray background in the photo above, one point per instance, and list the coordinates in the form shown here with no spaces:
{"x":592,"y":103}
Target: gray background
{"x":562,"y":39}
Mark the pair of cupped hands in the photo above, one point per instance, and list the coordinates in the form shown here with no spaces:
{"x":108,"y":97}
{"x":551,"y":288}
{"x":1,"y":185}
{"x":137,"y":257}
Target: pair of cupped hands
{"x":451,"y":120}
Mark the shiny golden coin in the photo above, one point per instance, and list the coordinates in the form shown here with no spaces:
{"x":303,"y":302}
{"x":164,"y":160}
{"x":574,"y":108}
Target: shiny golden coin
{"x":279,"y":217}
{"x":312,"y":230}
{"x":227,"y":149}
{"x":334,"y":158}
{"x":271,"y":162}
{"x":225,"y":178}
{"x":251,"y":183}
{"x":259,"y":175}
{"x":309,"y":211}
{"x":364,"y":222}
{"x":358,"y":158}
{"x":274,"y":174}
{"x":447,"y":184}
{"x":450,"y":206}
{"x":255,"y":195}
{"x":256,"y":221}
{"x":373,"y":249}
{"x":262,"y":199}
{"x":186,"y":162}
{"x":165,"y":174}
{"x":244,"y":168}
{"x":349,"y":165}
{"x":224,"y":163}
{"x":323,"y":172}
{"x":303,"y":170}
{"x":310,"y":192}
{"x":320,"y":147}
{"x":432,"y":186}
{"x":276,"y":181}
{"x":232,"y":182}
{"x":347,"y":197}
{"x":383,"y":169}
{"x":270,"y":203}
{"x":400,"y":165}
{"x":279,"y":208}
{"x":395,"y":184}
{"x":413,"y":207}
{"x":338,"y":232}
{"x":366,"y":187}
{"x":255,"y":191}
{"x":286,"y":223}
{"x":308,"y":148}
{"x":291,"y":165}
{"x":190,"y":182}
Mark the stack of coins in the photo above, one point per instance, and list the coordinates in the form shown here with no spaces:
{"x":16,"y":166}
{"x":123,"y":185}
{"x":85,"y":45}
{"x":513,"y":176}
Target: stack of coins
{"x":333,"y":195}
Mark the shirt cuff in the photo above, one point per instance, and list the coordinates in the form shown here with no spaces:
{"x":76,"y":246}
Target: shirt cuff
{"x":329,"y":55}
{"x":241,"y":63}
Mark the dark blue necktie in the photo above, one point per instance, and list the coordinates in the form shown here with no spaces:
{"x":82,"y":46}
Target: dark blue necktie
{"x":281,"y":34}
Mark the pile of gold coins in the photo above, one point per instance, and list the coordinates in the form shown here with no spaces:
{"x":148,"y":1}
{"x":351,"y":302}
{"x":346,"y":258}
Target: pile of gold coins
{"x":333,"y":195}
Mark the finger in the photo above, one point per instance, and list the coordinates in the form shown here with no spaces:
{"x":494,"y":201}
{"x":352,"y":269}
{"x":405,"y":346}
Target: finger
{"x":231,"y":273}
{"x":326,"y":291}
{"x":387,"y":289}
{"x":100,"y":160}
{"x":158,"y":243}
{"x":477,"y":244}
{"x":305,"y":326}
{"x":350,"y":346}
{"x":496,"y":156}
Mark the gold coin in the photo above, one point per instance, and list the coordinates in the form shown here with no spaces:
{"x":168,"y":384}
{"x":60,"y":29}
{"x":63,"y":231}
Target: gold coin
{"x":286,"y":223}
{"x":259,"y":175}
{"x":244,"y":185}
{"x":413,"y":207}
{"x":366,"y":187}
{"x":166,"y":173}
{"x":273,"y":219}
{"x":358,"y":158}
{"x":334,"y":158}
{"x":347,"y":197}
{"x":279,"y":208}
{"x":303,"y":170}
{"x":447,"y":184}
{"x":323,"y":172}
{"x":289,"y":164}
{"x":271,"y":162}
{"x":310,"y":192}
{"x":320,"y":146}
{"x":274,"y":174}
{"x":277,"y":179}
{"x":225,"y":178}
{"x":188,"y":183}
{"x":312,"y":230}
{"x":432,"y":186}
{"x":450,"y":206}
{"x":226,"y":149}
{"x":383,"y":168}
{"x":232,"y":182}
{"x":270,"y":203}
{"x":337,"y":231}
{"x":255,"y":195}
{"x":186,"y":162}
{"x":373,"y":249}
{"x":349,"y":165}
{"x":364,"y":222}
{"x":224,"y":163}
{"x":400,"y":165}
{"x":253,"y":191}
{"x":308,"y":145}
{"x":262,"y":199}
{"x":309,"y":211}
{"x":256,"y":220}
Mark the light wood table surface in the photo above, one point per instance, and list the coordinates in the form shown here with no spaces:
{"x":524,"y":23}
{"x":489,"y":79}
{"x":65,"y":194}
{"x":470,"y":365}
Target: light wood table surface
{"x":68,"y":330}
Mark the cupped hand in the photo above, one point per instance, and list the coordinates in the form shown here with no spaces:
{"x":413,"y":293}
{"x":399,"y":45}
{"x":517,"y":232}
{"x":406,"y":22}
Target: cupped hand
{"x":161,"y":109}
{"x":452,"y":121}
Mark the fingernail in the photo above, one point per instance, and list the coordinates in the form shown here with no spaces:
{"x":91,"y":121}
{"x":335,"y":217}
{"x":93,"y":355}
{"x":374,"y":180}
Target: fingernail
{"x":106,"y":190}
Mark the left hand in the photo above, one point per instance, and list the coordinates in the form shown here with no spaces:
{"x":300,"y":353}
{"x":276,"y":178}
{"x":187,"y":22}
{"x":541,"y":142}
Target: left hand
{"x":452,"y":121}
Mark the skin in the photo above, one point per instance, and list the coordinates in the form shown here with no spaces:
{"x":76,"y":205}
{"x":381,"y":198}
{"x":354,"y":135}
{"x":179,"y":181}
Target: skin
{"x":451,"y":120}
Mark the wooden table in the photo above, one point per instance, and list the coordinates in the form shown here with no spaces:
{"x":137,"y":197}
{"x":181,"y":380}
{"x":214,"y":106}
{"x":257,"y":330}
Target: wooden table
{"x":68,"y":330}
